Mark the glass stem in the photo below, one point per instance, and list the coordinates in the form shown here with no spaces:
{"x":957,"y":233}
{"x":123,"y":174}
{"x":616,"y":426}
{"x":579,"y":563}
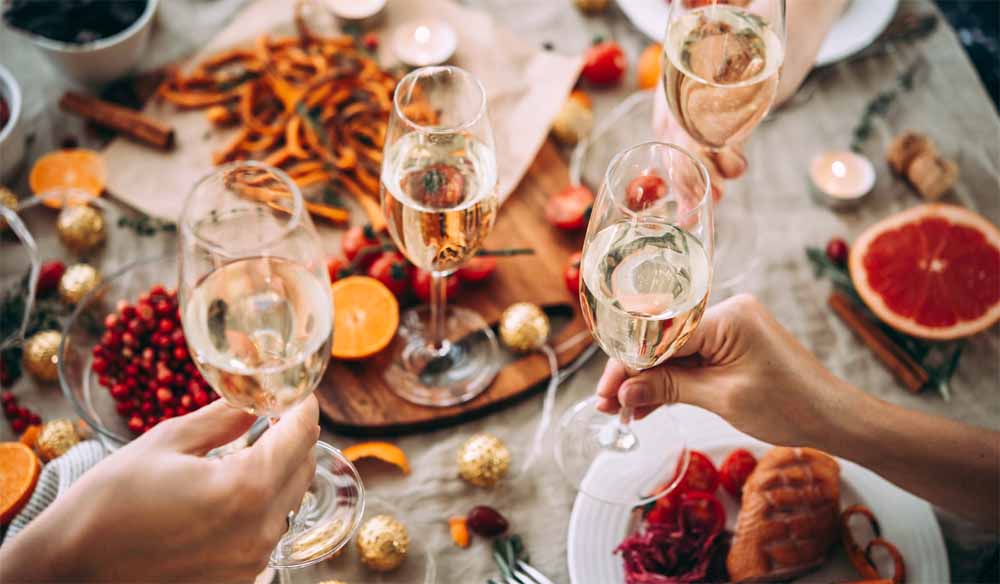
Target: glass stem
{"x":439,"y":293}
{"x":625,"y":416}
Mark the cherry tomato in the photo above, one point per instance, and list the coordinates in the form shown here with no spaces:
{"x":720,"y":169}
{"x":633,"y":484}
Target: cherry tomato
{"x":702,"y":512}
{"x":357,"y":238}
{"x":644,"y":190}
{"x":571,"y":274}
{"x":392,"y":269}
{"x":569,"y":208}
{"x":421,"y":283}
{"x":337,"y":268}
{"x":664,"y":511}
{"x":478,"y":269}
{"x":700,"y":476}
{"x":604,"y":64}
{"x":735,"y":470}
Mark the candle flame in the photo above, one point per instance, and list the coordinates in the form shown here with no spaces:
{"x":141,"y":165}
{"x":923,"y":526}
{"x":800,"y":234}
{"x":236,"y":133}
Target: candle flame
{"x":839,"y":169}
{"x":422,"y":34}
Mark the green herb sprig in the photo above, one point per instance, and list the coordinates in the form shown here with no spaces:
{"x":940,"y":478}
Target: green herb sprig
{"x":146,"y":226}
{"x":879,"y":105}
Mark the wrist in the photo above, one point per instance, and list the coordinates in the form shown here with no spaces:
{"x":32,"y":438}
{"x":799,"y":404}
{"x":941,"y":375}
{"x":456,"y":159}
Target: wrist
{"x":847,"y":415}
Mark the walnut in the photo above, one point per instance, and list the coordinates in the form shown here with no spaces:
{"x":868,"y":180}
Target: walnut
{"x":905,"y":147}
{"x":573,"y":122}
{"x":591,"y":6}
{"x":932,"y":175}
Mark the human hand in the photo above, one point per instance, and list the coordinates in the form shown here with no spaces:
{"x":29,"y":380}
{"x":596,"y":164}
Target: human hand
{"x":157,"y":509}
{"x":743,"y":365}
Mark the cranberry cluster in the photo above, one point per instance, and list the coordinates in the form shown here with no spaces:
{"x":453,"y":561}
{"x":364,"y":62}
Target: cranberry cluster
{"x":144,"y":362}
{"x":19,"y":417}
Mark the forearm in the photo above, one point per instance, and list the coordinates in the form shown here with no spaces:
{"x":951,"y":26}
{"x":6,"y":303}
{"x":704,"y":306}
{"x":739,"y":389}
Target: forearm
{"x":45,"y":551}
{"x":808,"y":23}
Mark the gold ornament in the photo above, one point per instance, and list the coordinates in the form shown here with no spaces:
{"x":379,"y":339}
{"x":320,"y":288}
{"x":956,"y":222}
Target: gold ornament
{"x":77,"y":281}
{"x":383,"y":543}
{"x":483,"y":460}
{"x":80,"y":227}
{"x":524,"y":327}
{"x":591,"y":6}
{"x":7,"y":199}
{"x":40,"y":354}
{"x":55,"y":439}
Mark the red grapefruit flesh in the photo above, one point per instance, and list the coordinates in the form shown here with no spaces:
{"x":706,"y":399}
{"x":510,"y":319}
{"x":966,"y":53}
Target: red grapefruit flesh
{"x":932,"y":271}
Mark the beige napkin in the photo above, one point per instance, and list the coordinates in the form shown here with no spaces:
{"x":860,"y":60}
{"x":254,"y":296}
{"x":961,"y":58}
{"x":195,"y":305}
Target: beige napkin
{"x":525,"y":85}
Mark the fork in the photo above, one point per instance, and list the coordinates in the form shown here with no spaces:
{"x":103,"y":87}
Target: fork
{"x":512,"y":561}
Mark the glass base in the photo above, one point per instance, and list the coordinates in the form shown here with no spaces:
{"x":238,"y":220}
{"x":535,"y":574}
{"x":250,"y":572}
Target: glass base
{"x":590,"y":457}
{"x":329,"y":515}
{"x":461,"y":369}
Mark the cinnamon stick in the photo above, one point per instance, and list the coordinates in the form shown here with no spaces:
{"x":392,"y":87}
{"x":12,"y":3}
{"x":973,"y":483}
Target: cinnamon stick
{"x":121,"y":119}
{"x":900,"y":363}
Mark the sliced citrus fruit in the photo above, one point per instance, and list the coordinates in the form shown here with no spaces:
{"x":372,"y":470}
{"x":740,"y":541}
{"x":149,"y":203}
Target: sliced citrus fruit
{"x":384,"y":451}
{"x":459,"y":531}
{"x":932,"y":271}
{"x":72,"y":169}
{"x":19,"y":468}
{"x":365,"y":317}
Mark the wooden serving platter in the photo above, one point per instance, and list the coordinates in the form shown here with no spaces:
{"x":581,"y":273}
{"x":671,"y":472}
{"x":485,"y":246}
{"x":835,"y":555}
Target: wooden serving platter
{"x":355,"y":399}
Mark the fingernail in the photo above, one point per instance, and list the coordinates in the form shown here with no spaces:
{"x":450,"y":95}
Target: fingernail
{"x":639,"y":392}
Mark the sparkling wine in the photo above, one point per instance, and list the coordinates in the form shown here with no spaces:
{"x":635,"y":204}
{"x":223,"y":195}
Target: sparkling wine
{"x":259,"y":330}
{"x":439,"y":197}
{"x":644,"y":287}
{"x":720,"y":72}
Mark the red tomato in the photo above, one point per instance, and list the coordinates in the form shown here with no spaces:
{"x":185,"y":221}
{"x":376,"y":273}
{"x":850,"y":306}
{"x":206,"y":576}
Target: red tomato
{"x":336,"y":268}
{"x":700,"y":476}
{"x":702,"y":512}
{"x":570,"y":208}
{"x":664,"y":511}
{"x":571,"y":274}
{"x":735,"y":470}
{"x":644,"y":190}
{"x":478,"y":269}
{"x":357,"y":238}
{"x":604,"y":64}
{"x":392,"y":269}
{"x":421,"y":283}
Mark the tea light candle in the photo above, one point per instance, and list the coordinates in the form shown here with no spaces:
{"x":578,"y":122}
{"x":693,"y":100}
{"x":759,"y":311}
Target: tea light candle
{"x":355,"y":9}
{"x":842,"y":176}
{"x":419,"y":43}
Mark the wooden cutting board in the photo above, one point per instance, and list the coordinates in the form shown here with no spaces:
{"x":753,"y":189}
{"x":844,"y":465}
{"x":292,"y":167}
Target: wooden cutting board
{"x":355,"y":399}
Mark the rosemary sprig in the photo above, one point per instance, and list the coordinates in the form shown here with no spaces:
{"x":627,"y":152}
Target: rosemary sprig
{"x":879,"y":105}
{"x":146,"y":226}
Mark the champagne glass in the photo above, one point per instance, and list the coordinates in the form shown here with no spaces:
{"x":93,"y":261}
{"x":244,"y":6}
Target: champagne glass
{"x":257,"y":313}
{"x":645,"y":277}
{"x":721,"y":64}
{"x":438,"y":186}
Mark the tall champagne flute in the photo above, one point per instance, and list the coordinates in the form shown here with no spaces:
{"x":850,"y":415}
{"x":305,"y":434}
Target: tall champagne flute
{"x":438,"y":185}
{"x":258,"y":317}
{"x":645,"y":277}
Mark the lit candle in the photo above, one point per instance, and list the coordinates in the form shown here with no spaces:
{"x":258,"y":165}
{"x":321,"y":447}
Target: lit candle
{"x":355,"y":9}
{"x":424,"y":42}
{"x":842,"y":176}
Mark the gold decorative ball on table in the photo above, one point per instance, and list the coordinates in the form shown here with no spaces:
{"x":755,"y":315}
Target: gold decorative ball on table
{"x":483,"y":460}
{"x":524,"y":327}
{"x":55,"y":439}
{"x":40,"y":354}
{"x":77,"y":281}
{"x":80,"y":227}
{"x":9,"y":200}
{"x":382,"y":543}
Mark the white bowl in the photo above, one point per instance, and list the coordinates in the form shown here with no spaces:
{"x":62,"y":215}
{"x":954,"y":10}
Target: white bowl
{"x":103,"y":60}
{"x":12,"y":139}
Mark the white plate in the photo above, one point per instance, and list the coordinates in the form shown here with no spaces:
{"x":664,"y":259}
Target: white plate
{"x":861,"y":23}
{"x":595,"y":528}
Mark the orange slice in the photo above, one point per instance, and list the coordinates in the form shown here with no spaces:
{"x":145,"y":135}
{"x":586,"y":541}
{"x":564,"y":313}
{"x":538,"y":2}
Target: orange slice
{"x":365,"y":317}
{"x":459,"y":531}
{"x":19,"y":468}
{"x":77,"y":169}
{"x":384,"y":451}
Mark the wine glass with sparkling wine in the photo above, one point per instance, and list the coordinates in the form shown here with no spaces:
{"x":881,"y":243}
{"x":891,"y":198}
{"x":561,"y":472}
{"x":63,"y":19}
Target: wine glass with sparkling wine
{"x":721,"y":64}
{"x":258,"y":317}
{"x":438,"y":185}
{"x":645,"y":277}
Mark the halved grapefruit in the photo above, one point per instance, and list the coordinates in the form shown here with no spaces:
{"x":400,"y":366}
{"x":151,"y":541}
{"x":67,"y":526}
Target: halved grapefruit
{"x":932,"y":271}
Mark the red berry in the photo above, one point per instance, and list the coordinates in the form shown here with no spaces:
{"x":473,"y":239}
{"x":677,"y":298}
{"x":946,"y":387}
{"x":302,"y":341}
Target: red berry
{"x":48,"y":277}
{"x":180,"y":353}
{"x":186,"y":401}
{"x":129,"y":340}
{"x":182,"y":410}
{"x":152,"y":420}
{"x":19,"y":425}
{"x":136,"y":424}
{"x":120,"y":392}
{"x":136,"y":327}
{"x":169,"y":413}
{"x":157,"y":290}
{"x":7,"y":397}
{"x":23,"y":413}
{"x":100,"y":365}
{"x":164,"y":377}
{"x":128,"y":312}
{"x":124,"y":407}
{"x":836,"y":251}
{"x":486,"y":521}
{"x":35,"y":419}
{"x":166,"y":326}
{"x":111,"y":321}
{"x":10,"y":410}
{"x":370,"y":41}
{"x":163,"y":308}
{"x":164,"y":395}
{"x":201,"y":398}
{"x":146,"y":408}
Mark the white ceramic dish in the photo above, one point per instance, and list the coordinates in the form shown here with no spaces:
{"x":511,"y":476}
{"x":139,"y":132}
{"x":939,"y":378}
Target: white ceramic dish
{"x":12,"y":138}
{"x":859,"y":25}
{"x":595,"y":528}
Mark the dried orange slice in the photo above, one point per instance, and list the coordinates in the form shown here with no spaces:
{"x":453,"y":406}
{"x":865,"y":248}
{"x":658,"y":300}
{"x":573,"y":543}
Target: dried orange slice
{"x":384,"y":451}
{"x":19,"y":468}
{"x":365,"y":317}
{"x":72,"y":169}
{"x":459,"y":531}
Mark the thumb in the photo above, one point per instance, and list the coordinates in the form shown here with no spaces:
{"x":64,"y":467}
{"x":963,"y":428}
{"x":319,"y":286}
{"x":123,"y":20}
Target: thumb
{"x":211,"y":426}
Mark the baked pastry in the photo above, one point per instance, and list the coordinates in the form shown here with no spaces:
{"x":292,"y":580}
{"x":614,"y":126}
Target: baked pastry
{"x":906,"y":147}
{"x":789,"y":517}
{"x":932,"y":175}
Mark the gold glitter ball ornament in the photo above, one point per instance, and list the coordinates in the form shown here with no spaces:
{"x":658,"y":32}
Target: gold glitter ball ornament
{"x":524,"y":327}
{"x":382,"y":543}
{"x":7,"y":199}
{"x":55,"y":439}
{"x":77,"y":281}
{"x":483,"y":460}
{"x":40,"y":354}
{"x":80,"y":227}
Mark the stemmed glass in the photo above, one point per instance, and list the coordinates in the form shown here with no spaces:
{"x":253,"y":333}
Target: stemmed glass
{"x":258,"y":317}
{"x":721,"y":65}
{"x":645,"y":277}
{"x":438,"y":185}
